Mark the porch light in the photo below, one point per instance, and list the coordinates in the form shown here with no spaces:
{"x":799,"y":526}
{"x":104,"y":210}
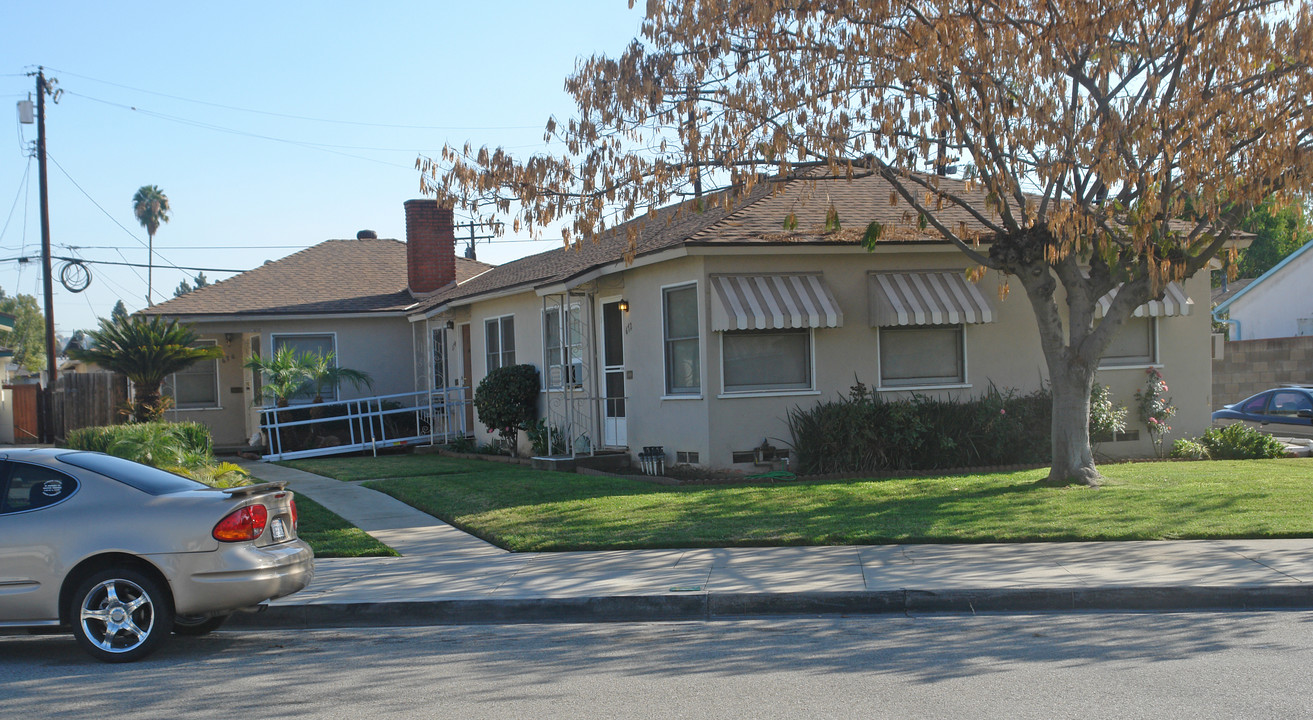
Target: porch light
{"x":624,"y":306}
{"x":451,"y":324}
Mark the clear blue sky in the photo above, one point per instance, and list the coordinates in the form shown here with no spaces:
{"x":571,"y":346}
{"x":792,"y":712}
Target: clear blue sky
{"x":270,"y":126}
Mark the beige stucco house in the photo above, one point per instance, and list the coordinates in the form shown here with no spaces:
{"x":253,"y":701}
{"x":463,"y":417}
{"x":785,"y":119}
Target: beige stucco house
{"x":699,"y":338}
{"x":721,"y":321}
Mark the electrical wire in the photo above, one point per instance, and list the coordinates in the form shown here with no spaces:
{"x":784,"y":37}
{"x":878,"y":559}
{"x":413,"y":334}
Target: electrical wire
{"x":141,"y":242}
{"x":243,"y":133}
{"x":294,"y":117}
{"x":27,"y":172}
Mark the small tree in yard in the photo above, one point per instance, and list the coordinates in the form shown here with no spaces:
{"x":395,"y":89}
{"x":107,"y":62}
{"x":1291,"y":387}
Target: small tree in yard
{"x":507,"y":401}
{"x":1113,"y":145}
{"x":147,"y":350}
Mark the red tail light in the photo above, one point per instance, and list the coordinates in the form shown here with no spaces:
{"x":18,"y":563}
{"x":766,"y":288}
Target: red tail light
{"x":242,"y":524}
{"x":293,"y":504}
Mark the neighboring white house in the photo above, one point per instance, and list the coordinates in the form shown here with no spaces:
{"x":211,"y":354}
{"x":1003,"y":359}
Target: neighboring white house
{"x":1277,"y":304}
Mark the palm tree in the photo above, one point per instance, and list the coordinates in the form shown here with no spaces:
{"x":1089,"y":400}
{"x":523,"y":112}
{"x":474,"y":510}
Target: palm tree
{"x":151,"y":206}
{"x":285,"y":374}
{"x":146,"y":350}
{"x":324,"y":373}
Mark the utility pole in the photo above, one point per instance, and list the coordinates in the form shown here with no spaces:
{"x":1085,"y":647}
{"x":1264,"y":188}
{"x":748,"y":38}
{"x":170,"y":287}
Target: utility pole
{"x":47,"y":428}
{"x":469,"y":249}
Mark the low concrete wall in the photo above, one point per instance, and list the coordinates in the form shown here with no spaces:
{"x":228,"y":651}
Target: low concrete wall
{"x":1250,"y":366}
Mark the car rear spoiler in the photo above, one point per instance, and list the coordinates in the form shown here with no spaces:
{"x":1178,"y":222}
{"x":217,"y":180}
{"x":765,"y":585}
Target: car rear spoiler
{"x":256,"y":489}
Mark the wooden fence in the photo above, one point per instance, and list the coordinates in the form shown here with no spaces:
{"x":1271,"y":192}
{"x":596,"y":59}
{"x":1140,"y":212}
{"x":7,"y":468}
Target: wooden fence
{"x":86,"y":400}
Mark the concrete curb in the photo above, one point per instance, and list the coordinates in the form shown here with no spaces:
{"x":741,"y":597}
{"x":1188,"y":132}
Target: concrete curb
{"x":692,"y":607}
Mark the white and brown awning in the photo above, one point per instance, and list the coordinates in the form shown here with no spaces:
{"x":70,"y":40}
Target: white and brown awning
{"x":926,"y":298}
{"x":1175,"y":302}
{"x":771,"y":302}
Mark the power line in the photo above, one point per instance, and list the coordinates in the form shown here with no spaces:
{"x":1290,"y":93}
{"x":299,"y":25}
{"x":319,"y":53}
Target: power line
{"x":103,"y":210}
{"x":22,"y":259}
{"x":243,"y":133}
{"x":27,"y":172}
{"x":298,"y":117}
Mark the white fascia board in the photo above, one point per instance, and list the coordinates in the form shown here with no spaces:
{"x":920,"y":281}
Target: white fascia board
{"x":613,"y":267}
{"x":274,"y":318}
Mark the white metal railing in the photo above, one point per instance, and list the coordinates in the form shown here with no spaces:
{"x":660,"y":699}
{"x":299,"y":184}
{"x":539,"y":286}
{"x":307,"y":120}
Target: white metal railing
{"x":370,"y":423}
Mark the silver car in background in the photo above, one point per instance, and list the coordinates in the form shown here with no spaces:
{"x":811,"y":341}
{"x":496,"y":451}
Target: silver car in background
{"x":124,"y":554}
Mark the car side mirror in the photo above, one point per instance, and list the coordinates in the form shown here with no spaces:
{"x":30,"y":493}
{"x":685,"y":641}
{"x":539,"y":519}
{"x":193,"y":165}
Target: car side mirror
{"x":1306,"y":414}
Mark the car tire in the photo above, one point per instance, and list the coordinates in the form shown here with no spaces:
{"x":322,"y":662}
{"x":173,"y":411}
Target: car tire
{"x":197,"y":625}
{"x":120,"y":614}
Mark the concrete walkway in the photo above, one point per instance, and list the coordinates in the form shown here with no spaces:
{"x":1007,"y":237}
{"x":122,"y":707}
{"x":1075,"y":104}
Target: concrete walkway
{"x":448,"y":576}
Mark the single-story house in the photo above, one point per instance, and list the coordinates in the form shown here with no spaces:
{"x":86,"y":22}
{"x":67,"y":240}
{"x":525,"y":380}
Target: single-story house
{"x":718,"y":322}
{"x":699,"y":338}
{"x":349,"y":297}
{"x":1276,"y":304}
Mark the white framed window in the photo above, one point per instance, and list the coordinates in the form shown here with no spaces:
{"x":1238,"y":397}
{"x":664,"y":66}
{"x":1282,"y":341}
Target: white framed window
{"x":679,"y":310}
{"x":766,"y":360}
{"x":197,"y":386}
{"x":563,"y":347}
{"x":499,"y":341}
{"x":922,"y":356}
{"x":1134,"y":345}
{"x":315,"y":343}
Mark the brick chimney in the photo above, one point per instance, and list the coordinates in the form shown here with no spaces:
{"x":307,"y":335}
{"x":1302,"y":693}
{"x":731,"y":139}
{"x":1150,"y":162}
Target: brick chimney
{"x":430,"y":246}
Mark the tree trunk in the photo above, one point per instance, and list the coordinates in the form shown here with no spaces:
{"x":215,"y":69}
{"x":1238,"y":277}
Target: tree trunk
{"x":1073,"y":459}
{"x":146,"y":406}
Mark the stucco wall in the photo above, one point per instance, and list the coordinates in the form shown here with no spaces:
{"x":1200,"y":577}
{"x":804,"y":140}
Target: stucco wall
{"x":714,"y":425}
{"x":380,"y":346}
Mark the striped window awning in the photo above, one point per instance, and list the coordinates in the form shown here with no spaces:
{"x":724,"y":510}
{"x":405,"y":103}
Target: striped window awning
{"x":769,"y":302}
{"x":1175,"y":302}
{"x":926,"y":298}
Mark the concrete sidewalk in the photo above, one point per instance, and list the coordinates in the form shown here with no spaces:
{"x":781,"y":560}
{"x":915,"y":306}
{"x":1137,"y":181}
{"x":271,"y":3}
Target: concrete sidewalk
{"x":448,"y":576}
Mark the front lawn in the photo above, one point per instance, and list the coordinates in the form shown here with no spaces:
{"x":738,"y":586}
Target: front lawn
{"x":332,"y":537}
{"x":522,"y":509}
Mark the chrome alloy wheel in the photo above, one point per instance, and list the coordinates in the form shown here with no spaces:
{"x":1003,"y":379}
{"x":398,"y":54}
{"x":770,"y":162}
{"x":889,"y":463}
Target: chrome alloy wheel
{"x":117,"y":615}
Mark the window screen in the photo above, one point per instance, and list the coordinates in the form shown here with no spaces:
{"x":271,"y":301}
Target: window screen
{"x":913,"y":356}
{"x":683,"y":373}
{"x":767,"y":360}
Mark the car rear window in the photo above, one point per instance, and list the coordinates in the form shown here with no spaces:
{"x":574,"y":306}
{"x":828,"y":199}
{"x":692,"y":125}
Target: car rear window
{"x":143,"y":477}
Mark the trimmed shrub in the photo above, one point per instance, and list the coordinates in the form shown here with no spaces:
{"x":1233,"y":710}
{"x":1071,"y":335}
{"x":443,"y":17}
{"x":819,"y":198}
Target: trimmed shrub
{"x":863,"y":432}
{"x":1240,"y":442}
{"x":507,"y":400}
{"x":188,"y":437}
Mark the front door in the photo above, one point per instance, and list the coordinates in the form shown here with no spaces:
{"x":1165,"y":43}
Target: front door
{"x":467,"y":370}
{"x":614,"y":432}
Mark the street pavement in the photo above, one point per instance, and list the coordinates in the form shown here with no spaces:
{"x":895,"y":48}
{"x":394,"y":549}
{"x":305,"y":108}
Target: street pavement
{"x":447,"y":576}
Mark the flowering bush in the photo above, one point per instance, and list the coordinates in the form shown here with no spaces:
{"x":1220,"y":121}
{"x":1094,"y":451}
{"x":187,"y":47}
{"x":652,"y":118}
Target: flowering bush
{"x":1155,"y":408}
{"x":1106,"y":417}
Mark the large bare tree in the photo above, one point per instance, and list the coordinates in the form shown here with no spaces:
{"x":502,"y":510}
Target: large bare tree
{"x":1117,"y":144}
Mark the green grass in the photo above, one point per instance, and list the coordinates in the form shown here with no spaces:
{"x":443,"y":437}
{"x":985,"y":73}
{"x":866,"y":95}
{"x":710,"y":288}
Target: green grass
{"x":331,"y":536}
{"x":361,"y":467}
{"x":521,"y":509}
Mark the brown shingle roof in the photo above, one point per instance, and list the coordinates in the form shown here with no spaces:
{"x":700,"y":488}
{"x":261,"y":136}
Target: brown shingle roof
{"x":335,"y":276}
{"x":756,"y":218}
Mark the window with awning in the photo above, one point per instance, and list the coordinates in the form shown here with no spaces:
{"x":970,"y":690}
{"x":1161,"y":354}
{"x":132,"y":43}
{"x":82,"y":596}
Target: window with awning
{"x":773,"y":302}
{"x":1174,"y":303}
{"x":926,"y":298}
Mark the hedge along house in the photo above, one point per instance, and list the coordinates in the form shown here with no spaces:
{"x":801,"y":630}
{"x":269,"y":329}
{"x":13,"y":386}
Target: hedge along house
{"x":349,"y":297}
{"x":719,"y":322}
